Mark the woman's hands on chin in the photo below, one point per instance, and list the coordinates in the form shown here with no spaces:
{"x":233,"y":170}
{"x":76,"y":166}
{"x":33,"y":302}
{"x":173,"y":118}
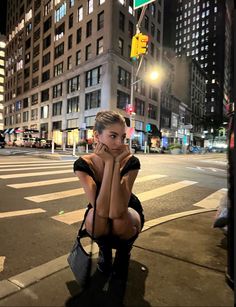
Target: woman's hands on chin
{"x":125,"y":153}
{"x":102,"y":151}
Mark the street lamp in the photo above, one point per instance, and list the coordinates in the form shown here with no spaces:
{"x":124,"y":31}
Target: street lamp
{"x":151,"y":76}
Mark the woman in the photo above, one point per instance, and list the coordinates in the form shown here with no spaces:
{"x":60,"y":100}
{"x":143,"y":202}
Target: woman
{"x":107,"y":176}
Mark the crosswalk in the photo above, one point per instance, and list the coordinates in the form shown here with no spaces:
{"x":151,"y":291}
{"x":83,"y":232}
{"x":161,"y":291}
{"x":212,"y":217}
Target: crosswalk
{"x":22,"y":171}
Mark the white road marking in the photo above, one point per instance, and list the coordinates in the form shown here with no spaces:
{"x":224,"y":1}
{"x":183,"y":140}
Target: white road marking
{"x":164,"y":190}
{"x":42,"y":183}
{"x":2,"y":260}
{"x":149,"y":177}
{"x":25,"y":164}
{"x":36,"y":168}
{"x":207,"y":168}
{"x":35,"y":174}
{"x":34,"y":161}
{"x":212,"y":201}
{"x":20,"y":212}
{"x":55,"y":195}
{"x":70,"y":217}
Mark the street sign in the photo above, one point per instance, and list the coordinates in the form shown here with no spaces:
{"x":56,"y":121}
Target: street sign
{"x":140,"y":3}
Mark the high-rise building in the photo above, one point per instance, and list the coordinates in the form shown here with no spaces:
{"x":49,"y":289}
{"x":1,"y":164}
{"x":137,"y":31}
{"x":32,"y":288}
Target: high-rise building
{"x":2,"y":77}
{"x":67,"y":59}
{"x":201,"y":29}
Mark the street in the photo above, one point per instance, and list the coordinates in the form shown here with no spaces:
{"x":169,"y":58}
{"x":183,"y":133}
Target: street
{"x":42,"y":203}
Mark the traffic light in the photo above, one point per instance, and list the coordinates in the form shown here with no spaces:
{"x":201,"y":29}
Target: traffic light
{"x":130,"y":109}
{"x":142,"y":43}
{"x":134,"y":47}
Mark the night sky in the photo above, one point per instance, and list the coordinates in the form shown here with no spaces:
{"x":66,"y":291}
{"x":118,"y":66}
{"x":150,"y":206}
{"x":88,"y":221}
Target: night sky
{"x":3,"y":9}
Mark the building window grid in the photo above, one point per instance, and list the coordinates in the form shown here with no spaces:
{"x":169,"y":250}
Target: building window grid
{"x":73,"y":84}
{"x":57,"y":108}
{"x":93,"y":100}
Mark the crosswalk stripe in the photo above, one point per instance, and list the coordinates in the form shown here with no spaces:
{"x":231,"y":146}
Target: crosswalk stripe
{"x":212,"y":201}
{"x":32,"y":164}
{"x":36,"y":162}
{"x":149,"y":177}
{"x":42,"y":183}
{"x":30,"y":168}
{"x":35,"y":174}
{"x":70,"y":217}
{"x":20,"y":212}
{"x":164,"y":190}
{"x":54,"y":196}
{"x":71,"y":179}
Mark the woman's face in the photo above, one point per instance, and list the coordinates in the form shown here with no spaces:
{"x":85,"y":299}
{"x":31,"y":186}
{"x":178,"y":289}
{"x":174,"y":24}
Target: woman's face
{"x":113,"y":137}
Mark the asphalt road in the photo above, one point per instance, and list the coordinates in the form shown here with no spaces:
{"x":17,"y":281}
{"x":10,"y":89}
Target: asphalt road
{"x":167,"y":184}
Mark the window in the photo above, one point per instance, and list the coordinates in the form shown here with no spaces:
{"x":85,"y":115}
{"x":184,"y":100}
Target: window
{"x":93,"y":100}
{"x":79,"y":35}
{"x":71,"y":3}
{"x":47,"y":7}
{"x":90,"y":6}
{"x":73,"y":104}
{"x":58,"y":69}
{"x":88,"y":52}
{"x":122,"y":21}
{"x":100,"y":2}
{"x":73,"y":84}
{"x":45,"y":111}
{"x":70,"y":42}
{"x":159,"y":16}
{"x":25,"y":116}
{"x":69,"y":62}
{"x":89,"y":28}
{"x":153,"y":9}
{"x":46,"y":59}
{"x":100,"y":21}
{"x":57,"y":90}
{"x":122,"y":100}
{"x":34,"y":114}
{"x":100,"y":45}
{"x":78,"y":57}
{"x":26,"y":72}
{"x":47,"y":24}
{"x":70,"y":23}
{"x":59,"y":31}
{"x":153,"y":29}
{"x":59,"y":50}
{"x":153,"y":93}
{"x":56,"y":108}
{"x":93,"y":76}
{"x":47,"y":42}
{"x":36,"y":35}
{"x":80,"y":13}
{"x":139,"y":107}
{"x":34,"y":99}
{"x":18,"y":118}
{"x":121,"y":46}
{"x":152,"y":111}
{"x":25,"y":103}
{"x":27,"y":58}
{"x":28,"y":28}
{"x":124,"y":77}
{"x":37,"y":19}
{"x":56,"y":125}
{"x":60,"y":12}
{"x":46,"y":75}
{"x":35,"y":81}
{"x":131,"y":29}
{"x":45,"y":95}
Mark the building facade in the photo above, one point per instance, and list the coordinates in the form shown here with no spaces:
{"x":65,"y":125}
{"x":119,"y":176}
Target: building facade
{"x":66,"y":60}
{"x":2,"y":78}
{"x":201,"y":31}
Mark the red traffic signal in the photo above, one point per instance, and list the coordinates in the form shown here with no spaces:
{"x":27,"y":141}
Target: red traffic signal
{"x":129,"y":109}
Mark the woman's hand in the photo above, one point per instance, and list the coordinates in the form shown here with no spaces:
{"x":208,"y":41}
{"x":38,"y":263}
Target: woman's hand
{"x":102,"y":151}
{"x":125,"y":153}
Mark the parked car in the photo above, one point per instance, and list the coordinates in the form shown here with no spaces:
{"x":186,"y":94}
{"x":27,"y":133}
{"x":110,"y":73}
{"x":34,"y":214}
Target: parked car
{"x":40,"y":143}
{"x":30,"y":142}
{"x":48,"y":144}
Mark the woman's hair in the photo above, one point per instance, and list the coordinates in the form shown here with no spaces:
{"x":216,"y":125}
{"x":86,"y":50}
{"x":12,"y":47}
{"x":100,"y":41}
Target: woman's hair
{"x":106,"y":118}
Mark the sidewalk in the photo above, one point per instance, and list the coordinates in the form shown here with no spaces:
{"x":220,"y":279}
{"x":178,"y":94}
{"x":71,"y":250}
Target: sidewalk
{"x":180,"y":262}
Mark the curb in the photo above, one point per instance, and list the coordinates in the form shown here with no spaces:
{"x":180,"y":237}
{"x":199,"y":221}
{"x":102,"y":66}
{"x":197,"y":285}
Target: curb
{"x":23,"y":280}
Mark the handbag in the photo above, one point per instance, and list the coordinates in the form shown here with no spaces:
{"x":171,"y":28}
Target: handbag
{"x":79,"y":260}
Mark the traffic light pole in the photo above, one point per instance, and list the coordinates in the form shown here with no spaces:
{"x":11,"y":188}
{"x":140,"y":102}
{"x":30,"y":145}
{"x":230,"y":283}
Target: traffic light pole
{"x":132,"y":114}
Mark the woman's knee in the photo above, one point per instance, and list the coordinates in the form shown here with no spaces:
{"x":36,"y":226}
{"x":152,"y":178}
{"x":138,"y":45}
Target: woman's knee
{"x":126,"y":227}
{"x":101,"y":225}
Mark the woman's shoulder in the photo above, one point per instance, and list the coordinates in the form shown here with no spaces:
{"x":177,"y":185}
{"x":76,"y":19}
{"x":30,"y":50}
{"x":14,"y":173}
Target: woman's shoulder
{"x":132,"y":163}
{"x":83,"y":164}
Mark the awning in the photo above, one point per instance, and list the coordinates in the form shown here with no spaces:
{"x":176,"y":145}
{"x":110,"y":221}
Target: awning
{"x":11,"y":130}
{"x":18,"y":130}
{"x":5,"y":131}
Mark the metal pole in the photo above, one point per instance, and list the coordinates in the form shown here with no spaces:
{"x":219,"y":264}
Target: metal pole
{"x":131,"y":103}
